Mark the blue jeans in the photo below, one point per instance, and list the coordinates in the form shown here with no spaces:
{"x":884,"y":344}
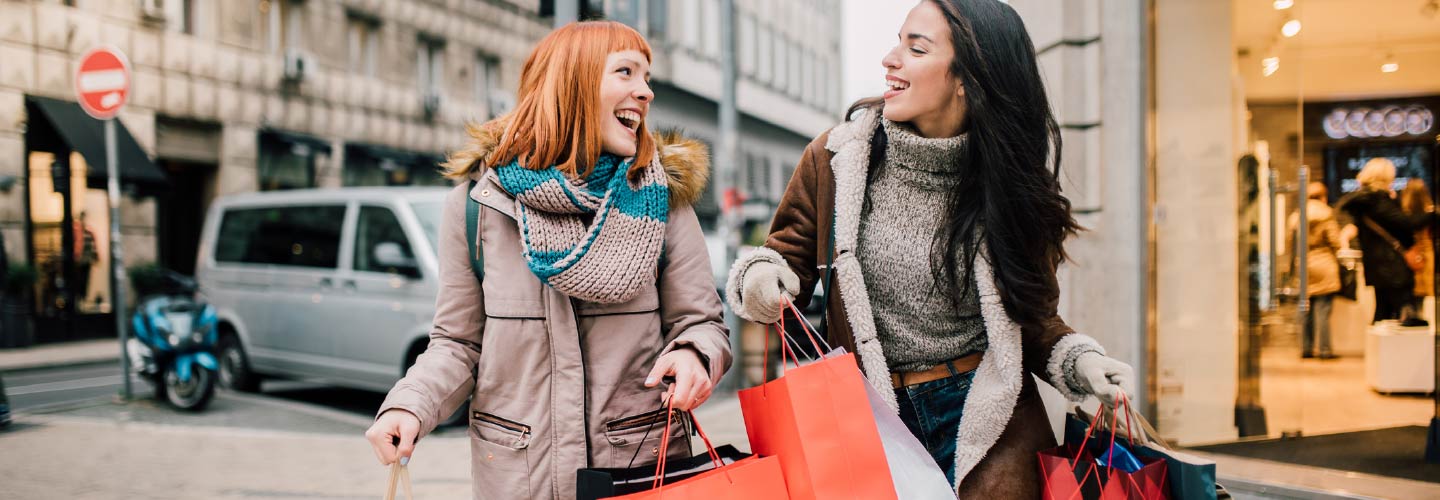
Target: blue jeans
{"x":1317,"y":324}
{"x":932,"y":411}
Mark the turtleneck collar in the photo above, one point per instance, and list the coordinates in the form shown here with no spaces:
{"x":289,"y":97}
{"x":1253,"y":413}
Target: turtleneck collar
{"x":907,"y":149}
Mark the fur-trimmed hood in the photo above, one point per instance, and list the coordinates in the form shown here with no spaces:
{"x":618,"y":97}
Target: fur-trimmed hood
{"x":686,"y":160}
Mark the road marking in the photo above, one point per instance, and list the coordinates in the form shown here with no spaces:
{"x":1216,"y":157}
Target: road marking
{"x":66,"y":385}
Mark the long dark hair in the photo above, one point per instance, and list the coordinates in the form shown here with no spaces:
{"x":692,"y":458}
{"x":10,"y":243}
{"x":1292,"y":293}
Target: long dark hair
{"x":1009,"y":177}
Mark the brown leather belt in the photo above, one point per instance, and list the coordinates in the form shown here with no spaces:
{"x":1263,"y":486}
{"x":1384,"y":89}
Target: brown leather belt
{"x":959,"y":365}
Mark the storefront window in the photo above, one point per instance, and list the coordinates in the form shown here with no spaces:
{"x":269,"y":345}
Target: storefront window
{"x":85,"y":286}
{"x":288,"y":161}
{"x":371,"y":172}
{"x":1275,"y":126}
{"x":378,"y":166}
{"x":425,"y":171}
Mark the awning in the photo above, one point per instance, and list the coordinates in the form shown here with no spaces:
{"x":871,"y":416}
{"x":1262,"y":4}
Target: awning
{"x":300,"y":144}
{"x":86,"y":136}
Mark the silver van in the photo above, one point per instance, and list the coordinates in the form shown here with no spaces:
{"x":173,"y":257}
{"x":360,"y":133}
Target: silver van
{"x":333,"y":284}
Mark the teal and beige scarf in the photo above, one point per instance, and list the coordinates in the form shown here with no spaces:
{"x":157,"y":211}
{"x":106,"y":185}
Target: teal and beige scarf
{"x":612,"y":257}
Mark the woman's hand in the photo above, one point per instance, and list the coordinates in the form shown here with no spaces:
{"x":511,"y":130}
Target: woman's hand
{"x":692,"y":382}
{"x":1105,"y":377}
{"x":393,"y":426}
{"x":1347,"y":233}
{"x":766,"y":288}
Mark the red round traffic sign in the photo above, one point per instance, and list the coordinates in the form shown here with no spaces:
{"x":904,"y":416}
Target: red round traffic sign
{"x":102,"y":82}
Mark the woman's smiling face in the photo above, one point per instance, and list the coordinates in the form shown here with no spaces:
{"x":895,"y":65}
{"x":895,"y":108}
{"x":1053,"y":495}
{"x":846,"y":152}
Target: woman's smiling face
{"x":625,"y":97}
{"x":922,"y":90}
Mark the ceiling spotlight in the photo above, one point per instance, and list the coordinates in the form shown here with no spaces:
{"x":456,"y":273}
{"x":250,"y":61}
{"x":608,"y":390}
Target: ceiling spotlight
{"x":1270,"y":65}
{"x":1284,"y":4}
{"x":1291,"y":28}
{"x":1390,"y":67}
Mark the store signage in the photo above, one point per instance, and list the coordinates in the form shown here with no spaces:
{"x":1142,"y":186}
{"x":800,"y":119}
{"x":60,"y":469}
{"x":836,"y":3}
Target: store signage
{"x":1387,"y":121}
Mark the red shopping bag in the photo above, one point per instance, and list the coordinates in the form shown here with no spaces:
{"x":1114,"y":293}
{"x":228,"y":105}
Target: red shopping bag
{"x":754,"y":478}
{"x":1070,"y":472}
{"x":817,"y":420}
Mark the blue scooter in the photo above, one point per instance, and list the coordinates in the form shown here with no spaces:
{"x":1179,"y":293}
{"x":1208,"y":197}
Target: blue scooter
{"x":174,"y":341}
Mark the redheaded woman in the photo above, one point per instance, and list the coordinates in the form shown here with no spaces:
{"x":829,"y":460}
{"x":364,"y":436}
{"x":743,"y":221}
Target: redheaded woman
{"x":596,"y":285}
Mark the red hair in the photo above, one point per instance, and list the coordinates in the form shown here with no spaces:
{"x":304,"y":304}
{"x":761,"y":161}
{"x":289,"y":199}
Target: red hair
{"x":557,"y":120}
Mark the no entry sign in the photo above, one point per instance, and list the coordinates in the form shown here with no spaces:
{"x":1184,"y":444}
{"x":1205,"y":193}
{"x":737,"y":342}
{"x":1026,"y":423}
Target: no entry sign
{"x":102,"y":82}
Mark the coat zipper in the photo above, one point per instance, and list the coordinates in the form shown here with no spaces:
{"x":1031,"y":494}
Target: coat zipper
{"x":642,"y":420}
{"x":584,"y":379}
{"x":506,"y":424}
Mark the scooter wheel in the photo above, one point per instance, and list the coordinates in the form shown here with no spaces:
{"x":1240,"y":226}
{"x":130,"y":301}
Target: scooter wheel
{"x":193,"y":395}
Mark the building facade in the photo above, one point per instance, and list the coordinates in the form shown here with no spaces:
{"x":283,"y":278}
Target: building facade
{"x":788,"y":92}
{"x":233,"y":97}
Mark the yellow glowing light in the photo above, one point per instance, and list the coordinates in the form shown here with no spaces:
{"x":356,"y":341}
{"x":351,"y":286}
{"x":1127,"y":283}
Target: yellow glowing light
{"x":1284,"y":4}
{"x":1389,"y":67}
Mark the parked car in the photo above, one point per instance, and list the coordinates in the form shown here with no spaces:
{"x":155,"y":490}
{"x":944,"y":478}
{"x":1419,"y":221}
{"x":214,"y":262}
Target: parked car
{"x":336,"y":285}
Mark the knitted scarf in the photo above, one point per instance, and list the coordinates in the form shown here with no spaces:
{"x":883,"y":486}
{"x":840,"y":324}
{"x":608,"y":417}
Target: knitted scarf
{"x":612,"y":257}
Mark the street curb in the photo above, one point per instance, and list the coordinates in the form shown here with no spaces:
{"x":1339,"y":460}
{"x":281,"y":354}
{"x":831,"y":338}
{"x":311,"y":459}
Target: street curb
{"x":69,"y":363}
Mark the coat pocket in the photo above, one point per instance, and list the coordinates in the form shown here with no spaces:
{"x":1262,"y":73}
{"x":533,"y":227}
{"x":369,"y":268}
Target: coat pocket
{"x":500,"y":444}
{"x":638,"y":437}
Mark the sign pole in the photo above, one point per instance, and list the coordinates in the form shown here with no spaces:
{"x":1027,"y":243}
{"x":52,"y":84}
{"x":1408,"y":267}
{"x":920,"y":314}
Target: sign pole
{"x":102,"y":84}
{"x":117,"y":266}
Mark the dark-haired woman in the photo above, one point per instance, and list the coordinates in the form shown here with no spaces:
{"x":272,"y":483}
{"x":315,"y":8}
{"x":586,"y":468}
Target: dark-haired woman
{"x":941,"y":219}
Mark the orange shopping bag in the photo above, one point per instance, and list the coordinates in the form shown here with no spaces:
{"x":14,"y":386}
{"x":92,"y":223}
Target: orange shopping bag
{"x":817,"y":420}
{"x":754,"y":478}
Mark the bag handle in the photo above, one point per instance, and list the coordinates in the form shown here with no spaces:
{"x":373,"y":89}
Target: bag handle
{"x":659,"y":483}
{"x":1110,"y":461}
{"x":399,"y":474}
{"x":816,"y":340}
{"x":784,"y":349}
{"x":1129,"y":410}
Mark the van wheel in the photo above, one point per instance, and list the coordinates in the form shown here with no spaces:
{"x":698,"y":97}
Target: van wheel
{"x":462,"y":414}
{"x":235,"y":373}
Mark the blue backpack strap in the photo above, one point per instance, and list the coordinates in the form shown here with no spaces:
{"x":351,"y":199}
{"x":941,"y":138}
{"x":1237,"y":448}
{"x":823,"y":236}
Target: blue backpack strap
{"x":472,"y":234}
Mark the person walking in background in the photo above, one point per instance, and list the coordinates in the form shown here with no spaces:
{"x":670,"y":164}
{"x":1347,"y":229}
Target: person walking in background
{"x":941,"y":213}
{"x":1323,"y":270}
{"x":1386,"y":234}
{"x":589,"y":285}
{"x":6,"y":182}
{"x":1415,"y":199}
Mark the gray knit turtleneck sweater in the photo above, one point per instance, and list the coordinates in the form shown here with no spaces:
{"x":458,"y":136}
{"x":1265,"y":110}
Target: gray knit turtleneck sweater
{"x":918,"y":324}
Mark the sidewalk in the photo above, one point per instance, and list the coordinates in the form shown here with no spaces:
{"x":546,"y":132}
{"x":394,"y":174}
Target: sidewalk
{"x":113,"y":457}
{"x":143,"y":450}
{"x":103,"y":452}
{"x":61,"y":354}
{"x":88,"y":458}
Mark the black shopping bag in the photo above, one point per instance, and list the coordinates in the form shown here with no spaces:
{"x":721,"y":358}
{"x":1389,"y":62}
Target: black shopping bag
{"x":594,"y":484}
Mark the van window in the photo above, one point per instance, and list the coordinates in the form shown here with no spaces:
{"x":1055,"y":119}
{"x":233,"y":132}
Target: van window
{"x":428,"y":213}
{"x":378,"y":225}
{"x":304,"y":236}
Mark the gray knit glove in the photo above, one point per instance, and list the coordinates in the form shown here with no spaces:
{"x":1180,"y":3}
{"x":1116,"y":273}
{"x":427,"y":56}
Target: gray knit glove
{"x":764,"y":286}
{"x":1104,"y":376}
